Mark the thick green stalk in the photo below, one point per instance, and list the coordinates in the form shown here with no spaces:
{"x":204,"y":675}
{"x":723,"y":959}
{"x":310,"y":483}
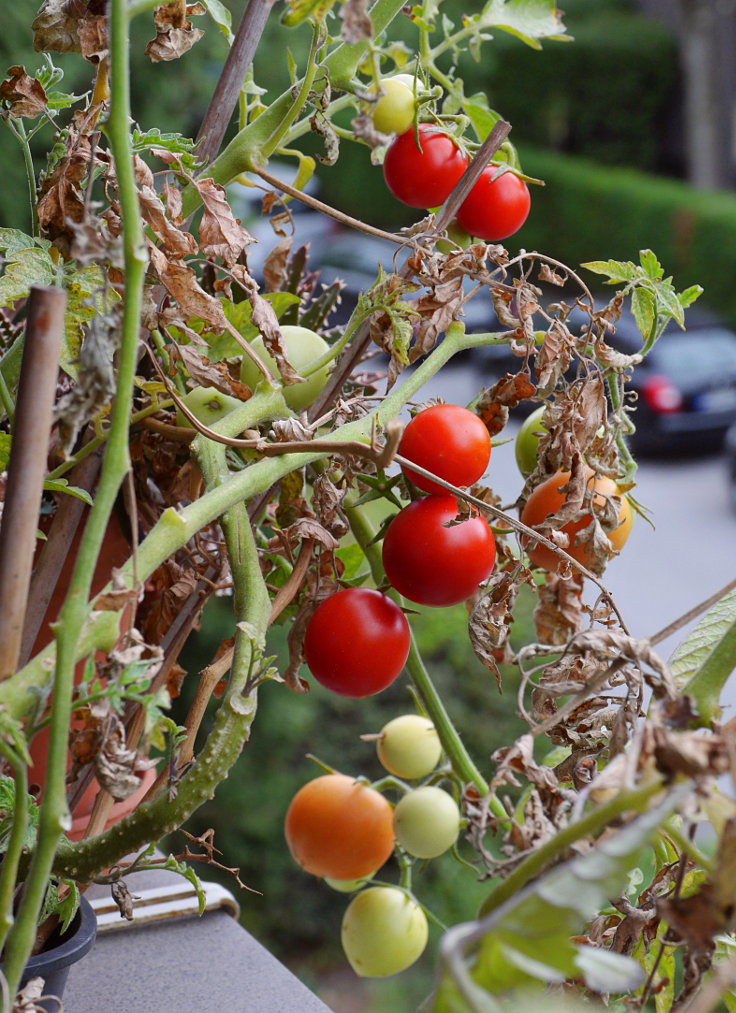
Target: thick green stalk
{"x":54,"y":815}
{"x":176,"y":527}
{"x":246,"y":149}
{"x":595,"y":821}
{"x":299,"y":102}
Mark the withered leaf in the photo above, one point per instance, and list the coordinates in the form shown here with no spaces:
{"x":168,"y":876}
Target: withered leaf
{"x":554,"y":357}
{"x":56,"y":26}
{"x":274,"y":267}
{"x":175,"y":32}
{"x":559,"y":612}
{"x":220,"y":234}
{"x":175,"y":243}
{"x":181,"y":283}
{"x":490,"y":622}
{"x":24,"y":94}
{"x":116,"y":765}
{"x":123,"y":898}
{"x":356,"y":22}
{"x":93,"y":38}
{"x":437,"y":309}
{"x":327,"y":505}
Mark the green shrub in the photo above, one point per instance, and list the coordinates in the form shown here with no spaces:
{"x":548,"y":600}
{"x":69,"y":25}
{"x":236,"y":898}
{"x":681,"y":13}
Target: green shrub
{"x":587,"y":211}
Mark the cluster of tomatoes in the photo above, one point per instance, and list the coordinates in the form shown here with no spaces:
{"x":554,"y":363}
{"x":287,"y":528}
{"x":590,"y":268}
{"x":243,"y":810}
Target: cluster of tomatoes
{"x":421,"y":168}
{"x":357,"y":640}
{"x":344,"y":830}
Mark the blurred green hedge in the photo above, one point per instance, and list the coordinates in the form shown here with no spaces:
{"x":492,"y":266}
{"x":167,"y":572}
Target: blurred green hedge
{"x":590,"y":212}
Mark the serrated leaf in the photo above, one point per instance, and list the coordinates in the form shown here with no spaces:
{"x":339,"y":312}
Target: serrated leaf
{"x":7,"y":805}
{"x":60,"y":485}
{"x":614,"y":270}
{"x":67,"y":908}
{"x":668,"y":302}
{"x":24,"y":268}
{"x":704,"y":660}
{"x":652,"y":267}
{"x":12,"y":240}
{"x":644,"y":308}
{"x":528,"y":20}
{"x":221,"y":16}
{"x":688,"y":297}
{"x":86,"y":298}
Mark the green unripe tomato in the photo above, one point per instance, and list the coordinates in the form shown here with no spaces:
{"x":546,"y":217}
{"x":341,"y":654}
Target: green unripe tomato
{"x":393,"y":113}
{"x":527,"y":441}
{"x":383,"y":932}
{"x":409,"y":746}
{"x":456,"y":236}
{"x":303,"y":347}
{"x":208,"y":404}
{"x":426,"y":822}
{"x":347,"y":885}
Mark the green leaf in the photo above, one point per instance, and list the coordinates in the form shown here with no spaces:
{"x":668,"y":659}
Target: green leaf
{"x":23,"y":268}
{"x":87,"y":297}
{"x":12,"y":240}
{"x":528,"y":20}
{"x":5,"y":443}
{"x":298,"y":11}
{"x":527,"y":940}
{"x":61,"y":485}
{"x":688,"y":297}
{"x":221,"y":16}
{"x":615,"y":270}
{"x":644,"y":308}
{"x":7,"y":805}
{"x":704,"y":660}
{"x":652,"y":267}
{"x":224,"y":346}
{"x":481,"y":117}
{"x":67,"y":908}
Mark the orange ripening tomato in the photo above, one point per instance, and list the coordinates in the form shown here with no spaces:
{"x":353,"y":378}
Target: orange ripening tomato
{"x":339,"y":828}
{"x":548,"y":499}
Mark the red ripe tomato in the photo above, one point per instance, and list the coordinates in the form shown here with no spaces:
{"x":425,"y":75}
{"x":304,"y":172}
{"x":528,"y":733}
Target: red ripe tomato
{"x":339,"y":828}
{"x":448,"y":440}
{"x":432,"y":564}
{"x":357,"y":642}
{"x":548,"y":499}
{"x":495,"y":208}
{"x":423,"y":178}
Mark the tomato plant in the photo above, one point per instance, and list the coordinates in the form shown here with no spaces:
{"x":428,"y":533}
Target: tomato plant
{"x":303,"y":347}
{"x":526,"y":444}
{"x":495,"y":208}
{"x":548,"y":498}
{"x":433,"y":558}
{"x":340,"y":828}
{"x":357,"y":642}
{"x":393,"y":113}
{"x":426,"y":821}
{"x":409,"y":746}
{"x":449,"y":441}
{"x":423,"y":177}
{"x":384,"y":931}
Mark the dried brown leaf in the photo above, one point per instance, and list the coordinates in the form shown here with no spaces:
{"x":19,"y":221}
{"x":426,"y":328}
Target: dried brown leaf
{"x":24,"y":95}
{"x":274,"y":268}
{"x":220,"y":233}
{"x":56,"y":26}
{"x":93,"y":38}
{"x":558,"y":614}
{"x":356,"y":22}
{"x":554,"y":357}
{"x":182,"y":284}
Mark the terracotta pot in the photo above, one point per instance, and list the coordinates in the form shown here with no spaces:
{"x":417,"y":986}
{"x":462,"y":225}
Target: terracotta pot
{"x":60,"y":953}
{"x":115,"y":551}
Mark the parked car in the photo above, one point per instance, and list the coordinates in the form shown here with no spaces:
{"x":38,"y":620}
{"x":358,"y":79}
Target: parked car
{"x":729,"y":445}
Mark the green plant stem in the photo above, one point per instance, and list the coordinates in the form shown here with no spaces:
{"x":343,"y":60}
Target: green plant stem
{"x":245,"y":151}
{"x":19,"y":131}
{"x":461,"y":761}
{"x":592,"y":823}
{"x":54,"y":813}
{"x":273,"y":142}
{"x":11,"y":861}
{"x":6,"y":398}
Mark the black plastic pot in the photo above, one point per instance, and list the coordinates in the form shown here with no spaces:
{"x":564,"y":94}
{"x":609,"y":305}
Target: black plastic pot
{"x":61,"y":952}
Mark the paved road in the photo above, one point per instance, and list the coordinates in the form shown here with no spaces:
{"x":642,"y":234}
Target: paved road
{"x":663,"y":572}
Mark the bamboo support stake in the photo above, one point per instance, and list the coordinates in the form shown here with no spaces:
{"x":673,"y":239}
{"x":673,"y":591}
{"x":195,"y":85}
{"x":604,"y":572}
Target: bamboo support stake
{"x":27,"y":465}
